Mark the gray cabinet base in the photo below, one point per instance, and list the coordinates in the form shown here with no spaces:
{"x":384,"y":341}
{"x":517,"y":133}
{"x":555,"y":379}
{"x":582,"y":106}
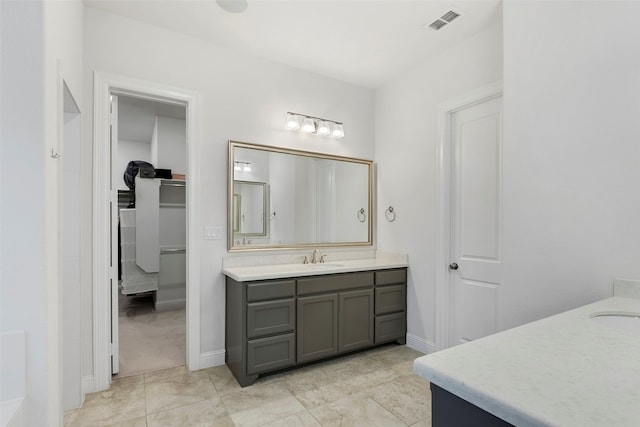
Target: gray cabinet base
{"x":447,"y":410}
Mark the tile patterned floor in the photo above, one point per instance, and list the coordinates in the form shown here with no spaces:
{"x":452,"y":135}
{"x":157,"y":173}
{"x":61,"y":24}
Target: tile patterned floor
{"x":374,"y":388}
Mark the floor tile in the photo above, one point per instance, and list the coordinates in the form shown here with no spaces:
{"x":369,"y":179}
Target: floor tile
{"x":405,"y":397}
{"x":207,"y":413}
{"x":355,"y":410}
{"x":115,"y":405}
{"x":222,"y":379}
{"x":177,"y":392}
{"x":137,"y":422}
{"x":371,"y":388}
{"x":255,"y":396}
{"x":301,"y":419}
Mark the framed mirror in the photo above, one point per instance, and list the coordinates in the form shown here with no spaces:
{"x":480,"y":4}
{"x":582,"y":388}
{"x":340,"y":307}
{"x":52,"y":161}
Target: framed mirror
{"x":284,"y":198}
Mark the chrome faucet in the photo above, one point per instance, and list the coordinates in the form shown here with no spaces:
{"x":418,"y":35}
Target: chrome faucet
{"x":314,"y":257}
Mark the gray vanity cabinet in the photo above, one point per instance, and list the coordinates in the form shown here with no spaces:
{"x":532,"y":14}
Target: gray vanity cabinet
{"x":391,"y":306}
{"x":275,"y":324}
{"x":339,"y":319}
{"x":260,"y":327}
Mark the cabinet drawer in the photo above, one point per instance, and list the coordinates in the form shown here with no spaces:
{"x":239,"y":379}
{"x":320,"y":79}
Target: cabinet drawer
{"x":390,"y":327}
{"x":334,"y":282}
{"x":390,"y":277}
{"x":259,"y":291}
{"x":390,"y":299}
{"x":271,"y":317}
{"x":267,"y":354}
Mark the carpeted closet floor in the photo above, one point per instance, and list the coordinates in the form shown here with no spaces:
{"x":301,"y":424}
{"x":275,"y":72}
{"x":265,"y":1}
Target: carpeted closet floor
{"x":149,"y":340}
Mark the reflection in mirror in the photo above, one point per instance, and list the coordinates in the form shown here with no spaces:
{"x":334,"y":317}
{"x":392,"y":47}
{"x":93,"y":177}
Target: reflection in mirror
{"x":308,"y":199}
{"x":249,"y":207}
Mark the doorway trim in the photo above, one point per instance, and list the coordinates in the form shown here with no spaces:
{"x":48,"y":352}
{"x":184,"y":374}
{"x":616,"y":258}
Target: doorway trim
{"x":444,"y":112}
{"x":104,"y":85}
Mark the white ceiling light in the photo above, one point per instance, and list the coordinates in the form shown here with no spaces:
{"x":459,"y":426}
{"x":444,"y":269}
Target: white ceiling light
{"x":317,"y":125}
{"x":233,"y":6}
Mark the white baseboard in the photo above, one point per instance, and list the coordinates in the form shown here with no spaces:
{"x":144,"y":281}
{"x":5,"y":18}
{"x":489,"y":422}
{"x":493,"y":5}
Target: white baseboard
{"x":212,"y":358}
{"x":420,"y":344}
{"x":88,"y":385}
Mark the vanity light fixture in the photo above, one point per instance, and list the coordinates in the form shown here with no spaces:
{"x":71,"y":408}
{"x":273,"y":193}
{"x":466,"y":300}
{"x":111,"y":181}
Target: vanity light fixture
{"x":317,"y":125}
{"x":308,"y":125}
{"x":242,"y":166}
{"x":293,"y":122}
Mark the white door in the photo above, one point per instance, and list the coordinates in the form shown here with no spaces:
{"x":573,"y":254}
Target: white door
{"x":476,"y":220}
{"x":115,"y":259}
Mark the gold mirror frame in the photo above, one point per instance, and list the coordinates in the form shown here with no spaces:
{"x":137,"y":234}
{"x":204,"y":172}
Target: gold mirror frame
{"x":233,"y":247}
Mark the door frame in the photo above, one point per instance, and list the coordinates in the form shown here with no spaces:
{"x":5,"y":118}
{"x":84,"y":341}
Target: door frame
{"x":104,"y":85}
{"x":444,"y":112}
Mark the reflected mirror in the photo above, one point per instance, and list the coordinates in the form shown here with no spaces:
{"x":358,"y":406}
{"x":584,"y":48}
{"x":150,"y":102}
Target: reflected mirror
{"x":283,"y":198}
{"x":249,"y":206}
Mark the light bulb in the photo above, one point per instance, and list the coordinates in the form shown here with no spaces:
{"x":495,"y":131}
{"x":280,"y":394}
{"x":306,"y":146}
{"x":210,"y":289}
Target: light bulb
{"x":293,"y":123}
{"x":308,"y":125}
{"x":323,"y":128}
{"x":247,"y":167}
{"x":338,"y":131}
{"x":236,"y":167}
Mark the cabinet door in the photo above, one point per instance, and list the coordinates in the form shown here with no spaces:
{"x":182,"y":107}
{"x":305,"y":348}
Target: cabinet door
{"x":355,"y":320}
{"x":317,"y":329}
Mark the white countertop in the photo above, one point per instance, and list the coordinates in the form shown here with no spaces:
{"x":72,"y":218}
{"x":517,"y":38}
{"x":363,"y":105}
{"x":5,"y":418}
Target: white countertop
{"x":244,"y":273}
{"x":565,"y":370}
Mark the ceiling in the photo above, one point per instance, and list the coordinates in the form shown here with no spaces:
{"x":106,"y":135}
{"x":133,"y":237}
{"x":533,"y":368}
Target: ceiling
{"x":363,"y":42}
{"x":137,"y":117}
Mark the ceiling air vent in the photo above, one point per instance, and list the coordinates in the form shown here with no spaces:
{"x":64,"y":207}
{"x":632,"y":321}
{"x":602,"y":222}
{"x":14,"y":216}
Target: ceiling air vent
{"x":443,"y":20}
{"x":437,"y":24}
{"x":450,"y":16}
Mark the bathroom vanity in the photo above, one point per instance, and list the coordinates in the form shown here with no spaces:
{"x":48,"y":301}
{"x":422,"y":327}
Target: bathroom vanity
{"x":284,"y":316}
{"x":577,"y":368}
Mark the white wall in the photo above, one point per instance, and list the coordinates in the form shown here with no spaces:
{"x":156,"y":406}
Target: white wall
{"x":244,"y":99}
{"x":406,"y":160}
{"x":172,"y":148}
{"x":571,"y":103}
{"x":571,"y":150}
{"x":38,"y":39}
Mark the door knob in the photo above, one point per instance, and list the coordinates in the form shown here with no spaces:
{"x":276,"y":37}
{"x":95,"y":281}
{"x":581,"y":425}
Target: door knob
{"x":453,"y":266}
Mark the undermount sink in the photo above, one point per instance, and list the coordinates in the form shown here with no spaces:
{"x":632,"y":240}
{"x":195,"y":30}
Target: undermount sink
{"x":629,"y":322}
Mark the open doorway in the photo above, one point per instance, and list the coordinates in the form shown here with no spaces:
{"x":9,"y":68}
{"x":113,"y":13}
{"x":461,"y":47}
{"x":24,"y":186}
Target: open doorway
{"x":149,"y":173}
{"x":105,"y":201}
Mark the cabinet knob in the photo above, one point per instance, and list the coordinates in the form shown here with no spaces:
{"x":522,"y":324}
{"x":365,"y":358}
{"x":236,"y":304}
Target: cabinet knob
{"x":453,"y":266}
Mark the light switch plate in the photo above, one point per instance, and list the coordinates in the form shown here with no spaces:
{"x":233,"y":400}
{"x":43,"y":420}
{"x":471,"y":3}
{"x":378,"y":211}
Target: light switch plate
{"x":212,"y":232}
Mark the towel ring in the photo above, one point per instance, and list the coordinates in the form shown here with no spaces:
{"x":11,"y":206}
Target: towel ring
{"x":361,"y":215}
{"x":390,"y":214}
